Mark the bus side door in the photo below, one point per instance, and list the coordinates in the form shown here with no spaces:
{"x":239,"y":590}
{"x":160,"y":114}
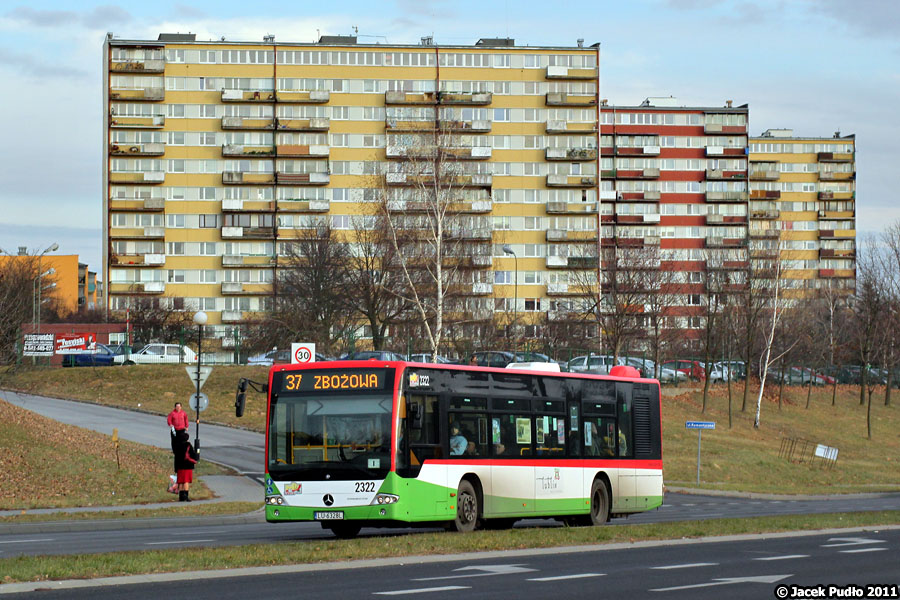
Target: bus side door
{"x":626,"y":494}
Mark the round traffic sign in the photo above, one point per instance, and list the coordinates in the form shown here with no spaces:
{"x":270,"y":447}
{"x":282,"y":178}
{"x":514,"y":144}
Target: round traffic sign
{"x":303,"y":355}
{"x":204,"y":402}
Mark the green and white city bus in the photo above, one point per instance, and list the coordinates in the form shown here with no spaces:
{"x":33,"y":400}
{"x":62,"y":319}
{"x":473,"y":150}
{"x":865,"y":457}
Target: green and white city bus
{"x":357,"y":444}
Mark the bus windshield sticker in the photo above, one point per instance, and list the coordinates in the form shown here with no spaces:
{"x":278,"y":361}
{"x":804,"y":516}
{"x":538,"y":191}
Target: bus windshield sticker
{"x":417,"y":380}
{"x":573,"y":417}
{"x":495,"y":429}
{"x":587,"y":434}
{"x":561,"y":431}
{"x":523,"y":431}
{"x":541,"y":426}
{"x":374,"y":463}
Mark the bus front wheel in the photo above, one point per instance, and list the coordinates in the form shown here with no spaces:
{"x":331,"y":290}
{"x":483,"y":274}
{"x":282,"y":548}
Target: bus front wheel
{"x":466,"y":508}
{"x":599,"y":503}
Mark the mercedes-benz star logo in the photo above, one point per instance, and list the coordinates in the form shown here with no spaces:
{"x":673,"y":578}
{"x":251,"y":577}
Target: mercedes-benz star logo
{"x":328,"y":500}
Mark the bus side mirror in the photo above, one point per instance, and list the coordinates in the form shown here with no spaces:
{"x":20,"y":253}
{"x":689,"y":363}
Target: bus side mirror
{"x":415,"y":416}
{"x":240,"y":398}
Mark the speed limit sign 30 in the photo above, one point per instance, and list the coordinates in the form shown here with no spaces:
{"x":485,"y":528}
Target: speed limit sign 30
{"x":303,"y":353}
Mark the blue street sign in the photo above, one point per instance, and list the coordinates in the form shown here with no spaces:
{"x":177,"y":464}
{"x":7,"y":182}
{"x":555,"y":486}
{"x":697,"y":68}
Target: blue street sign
{"x":699,"y":424}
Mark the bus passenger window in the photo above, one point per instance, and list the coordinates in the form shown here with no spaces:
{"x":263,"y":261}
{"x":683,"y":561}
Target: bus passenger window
{"x":515,"y":435}
{"x":625,"y":428}
{"x":600,"y":437}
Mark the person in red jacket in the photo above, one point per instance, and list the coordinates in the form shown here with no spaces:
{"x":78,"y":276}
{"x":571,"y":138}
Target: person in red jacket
{"x":177,"y":421}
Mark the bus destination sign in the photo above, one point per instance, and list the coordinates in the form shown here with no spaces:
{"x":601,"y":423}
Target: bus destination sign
{"x":333,"y":381}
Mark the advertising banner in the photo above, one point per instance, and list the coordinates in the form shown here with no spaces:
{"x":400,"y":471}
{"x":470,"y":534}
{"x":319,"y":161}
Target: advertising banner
{"x":76,"y":343}
{"x":38,"y":344}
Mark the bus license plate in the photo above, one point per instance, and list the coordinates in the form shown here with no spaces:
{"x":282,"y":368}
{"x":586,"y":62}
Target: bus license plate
{"x":328,"y":515}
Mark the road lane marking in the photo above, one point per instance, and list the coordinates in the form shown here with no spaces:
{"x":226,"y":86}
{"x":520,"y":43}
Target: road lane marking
{"x":858,"y":550}
{"x":727,"y":581}
{"x":176,"y":542}
{"x":686,"y":566}
{"x":489,"y":571}
{"x":785,"y":557}
{"x":26,"y":541}
{"x":446,"y":588}
{"x":559,"y":577}
{"x":850,"y":542}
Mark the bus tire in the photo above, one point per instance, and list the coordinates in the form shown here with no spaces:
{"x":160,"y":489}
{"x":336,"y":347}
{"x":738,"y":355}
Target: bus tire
{"x":345,"y":531}
{"x":467,"y":509}
{"x":599,"y":503}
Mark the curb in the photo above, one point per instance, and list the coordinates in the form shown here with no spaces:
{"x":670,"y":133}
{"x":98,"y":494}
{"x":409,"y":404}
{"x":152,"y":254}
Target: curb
{"x":257,"y":516}
{"x":762,"y":496}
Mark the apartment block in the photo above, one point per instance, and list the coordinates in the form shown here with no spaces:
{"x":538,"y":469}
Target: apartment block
{"x":803,"y":206}
{"x":219,"y":152}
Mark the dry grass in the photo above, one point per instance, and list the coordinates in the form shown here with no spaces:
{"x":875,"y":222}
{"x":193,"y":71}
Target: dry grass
{"x":45,"y":464}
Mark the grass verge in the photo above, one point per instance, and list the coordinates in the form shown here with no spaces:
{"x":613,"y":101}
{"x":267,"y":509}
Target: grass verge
{"x":175,"y":511}
{"x":40,"y":568}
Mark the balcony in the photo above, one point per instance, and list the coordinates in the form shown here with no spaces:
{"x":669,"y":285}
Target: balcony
{"x":637,"y":150}
{"x":232,"y":232}
{"x":764,"y":175}
{"x":563,"y":235}
{"x":139,"y":65}
{"x":726,"y":196}
{"x":766,"y":215}
{"x":637,"y":173}
{"x":248,"y":233}
{"x":842,"y":215}
{"x":313,"y":124}
{"x":248,"y":96}
{"x":308,"y":151}
{"x":150,"y":94}
{"x":263,"y":123}
{"x":137,"y":149}
{"x":137,"y":177}
{"x":715,"y":219}
{"x":236,"y":260}
{"x":569,"y":73}
{"x":303,"y":97}
{"x":137,"y":204}
{"x":241,"y":205}
{"x":571,"y":181}
{"x":242,"y":178}
{"x":396,"y":125}
{"x":560,"y":126}
{"x":765,"y":194}
{"x":713,"y":241}
{"x":557,"y":262}
{"x":467,"y":152}
{"x":482,"y":260}
{"x":473,"y":207}
{"x":459,"y":126}
{"x":137,"y":260}
{"x":152,"y":287}
{"x":148,"y":122}
{"x":430,"y":153}
{"x":725,"y":175}
{"x":651,"y":196}
{"x":571,"y":154}
{"x":240,"y":150}
{"x":563,"y":99}
{"x":561,"y":208}
{"x":304,"y":206}
{"x":478,"y":234}
{"x":764,"y":233}
{"x":406,"y":98}
{"x":482,"y":288}
{"x":557,"y":289}
{"x":464,"y":98}
{"x":314,"y":178}
{"x":837,"y":176}
{"x":834,"y":157}
{"x":231,"y":316}
{"x":475,"y":180}
{"x":232,"y":287}
{"x":715,"y":150}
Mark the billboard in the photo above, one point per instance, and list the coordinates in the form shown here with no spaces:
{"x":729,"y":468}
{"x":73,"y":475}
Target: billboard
{"x":38,"y":344}
{"x":76,"y":343}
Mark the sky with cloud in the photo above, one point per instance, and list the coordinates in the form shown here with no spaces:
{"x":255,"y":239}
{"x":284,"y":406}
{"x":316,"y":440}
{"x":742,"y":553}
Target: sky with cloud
{"x":815,"y":66}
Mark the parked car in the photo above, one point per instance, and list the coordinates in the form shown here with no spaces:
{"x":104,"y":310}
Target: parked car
{"x":104,"y":356}
{"x":427,"y":358}
{"x":594,"y":363}
{"x":272,"y":357}
{"x":693,"y":369}
{"x":155,"y":354}
{"x":492,"y":358}
{"x":374,"y":355}
{"x":736,"y":368}
{"x":537,"y":357}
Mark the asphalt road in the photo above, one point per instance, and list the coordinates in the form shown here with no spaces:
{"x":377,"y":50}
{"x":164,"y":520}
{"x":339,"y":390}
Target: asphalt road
{"x":748,"y":567}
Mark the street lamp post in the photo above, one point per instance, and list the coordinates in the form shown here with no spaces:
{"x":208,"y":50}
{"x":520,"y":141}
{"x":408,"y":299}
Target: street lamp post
{"x":200,"y":319}
{"x":51,"y":248}
{"x":507,"y":249}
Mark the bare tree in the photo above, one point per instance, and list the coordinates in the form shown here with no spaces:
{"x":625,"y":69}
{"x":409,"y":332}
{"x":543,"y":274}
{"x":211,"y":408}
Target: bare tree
{"x":869,"y":311}
{"x":430,"y":202}
{"x":18,"y":277}
{"x":664,"y":285}
{"x":313,"y":294}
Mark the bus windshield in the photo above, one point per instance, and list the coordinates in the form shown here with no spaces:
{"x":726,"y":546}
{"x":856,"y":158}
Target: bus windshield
{"x":317,"y":437}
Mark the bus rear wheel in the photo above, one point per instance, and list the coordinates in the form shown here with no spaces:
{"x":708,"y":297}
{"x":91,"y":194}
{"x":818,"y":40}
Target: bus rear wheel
{"x":345,"y":531}
{"x":599,"y":503}
{"x":467,"y":508}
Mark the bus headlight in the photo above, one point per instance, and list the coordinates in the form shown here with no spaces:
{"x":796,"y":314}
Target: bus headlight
{"x":274,"y":500}
{"x":385,"y":499}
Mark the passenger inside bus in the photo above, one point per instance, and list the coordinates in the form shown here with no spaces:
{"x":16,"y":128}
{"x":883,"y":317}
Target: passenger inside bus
{"x":458,"y":442}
